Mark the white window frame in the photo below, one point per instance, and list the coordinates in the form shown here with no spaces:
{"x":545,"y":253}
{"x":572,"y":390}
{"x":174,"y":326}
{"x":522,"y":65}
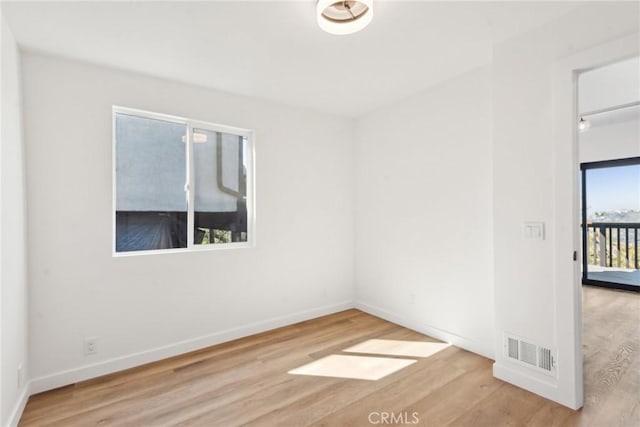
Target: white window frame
{"x":190,"y":125}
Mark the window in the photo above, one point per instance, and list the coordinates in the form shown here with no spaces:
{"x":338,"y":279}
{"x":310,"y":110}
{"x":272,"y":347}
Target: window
{"x":611,"y":223}
{"x":180,"y":184}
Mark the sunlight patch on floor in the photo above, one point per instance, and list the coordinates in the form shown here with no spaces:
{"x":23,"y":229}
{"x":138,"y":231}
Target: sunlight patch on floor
{"x":355,"y":367}
{"x":398,"y":348}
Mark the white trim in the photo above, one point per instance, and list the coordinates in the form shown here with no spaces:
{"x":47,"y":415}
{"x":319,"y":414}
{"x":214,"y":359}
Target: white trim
{"x":113,"y":182}
{"x":190,"y":126}
{"x":194,"y":248}
{"x":546,"y":389}
{"x":116,"y":364}
{"x":190,"y":188}
{"x":18,"y":409}
{"x":568,"y":298}
{"x":251,"y":192}
{"x":182,"y":120}
{"x":432,"y":331}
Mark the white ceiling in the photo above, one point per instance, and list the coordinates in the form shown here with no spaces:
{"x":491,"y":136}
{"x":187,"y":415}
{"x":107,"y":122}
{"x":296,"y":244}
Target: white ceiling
{"x":275,"y":50}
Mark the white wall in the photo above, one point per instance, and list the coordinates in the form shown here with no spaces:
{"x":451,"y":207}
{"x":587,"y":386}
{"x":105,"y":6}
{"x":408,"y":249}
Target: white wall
{"x":616,"y":139}
{"x":424,"y":230}
{"x":525,"y":187}
{"x":614,"y":134}
{"x":13,"y":236}
{"x":142,"y":308}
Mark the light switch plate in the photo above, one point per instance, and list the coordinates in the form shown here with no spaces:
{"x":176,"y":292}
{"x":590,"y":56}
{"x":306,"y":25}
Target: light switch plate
{"x":533,"y":230}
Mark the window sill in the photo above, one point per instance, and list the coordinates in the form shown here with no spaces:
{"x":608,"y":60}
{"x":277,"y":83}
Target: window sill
{"x":194,"y":249}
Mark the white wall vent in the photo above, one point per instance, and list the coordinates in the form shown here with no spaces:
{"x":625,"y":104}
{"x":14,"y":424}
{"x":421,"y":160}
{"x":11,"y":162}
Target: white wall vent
{"x":545,"y":360}
{"x":512,"y":351}
{"x":528,"y":354}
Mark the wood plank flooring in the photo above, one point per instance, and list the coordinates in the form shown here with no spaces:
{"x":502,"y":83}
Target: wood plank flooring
{"x":245,"y":382}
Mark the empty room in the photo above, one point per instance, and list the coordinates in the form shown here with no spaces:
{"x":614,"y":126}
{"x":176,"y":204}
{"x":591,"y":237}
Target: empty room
{"x":320,"y":213}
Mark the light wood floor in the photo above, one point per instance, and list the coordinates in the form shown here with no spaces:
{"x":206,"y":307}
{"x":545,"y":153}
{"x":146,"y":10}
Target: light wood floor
{"x":246,"y":382}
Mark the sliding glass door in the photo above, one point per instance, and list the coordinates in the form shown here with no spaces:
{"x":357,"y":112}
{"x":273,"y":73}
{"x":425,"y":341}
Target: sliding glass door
{"x":611,"y":223}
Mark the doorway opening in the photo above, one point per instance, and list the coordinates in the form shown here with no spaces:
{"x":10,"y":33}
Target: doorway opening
{"x":609,"y":157}
{"x":607,"y":225}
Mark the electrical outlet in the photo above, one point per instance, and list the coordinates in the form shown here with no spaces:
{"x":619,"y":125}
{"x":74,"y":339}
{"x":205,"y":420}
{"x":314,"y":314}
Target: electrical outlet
{"x":19,"y":376}
{"x":90,"y":346}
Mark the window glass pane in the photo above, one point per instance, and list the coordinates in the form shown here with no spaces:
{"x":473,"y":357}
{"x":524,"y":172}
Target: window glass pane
{"x":151,"y":203}
{"x":220,"y":200}
{"x":613,"y":220}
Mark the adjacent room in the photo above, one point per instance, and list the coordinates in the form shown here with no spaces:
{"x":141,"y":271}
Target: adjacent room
{"x":319,"y":212}
{"x":609,"y":156}
{"x":609,"y":152}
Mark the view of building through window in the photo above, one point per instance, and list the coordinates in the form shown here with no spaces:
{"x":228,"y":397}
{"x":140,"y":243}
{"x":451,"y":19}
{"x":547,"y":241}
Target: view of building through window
{"x":168,"y":196}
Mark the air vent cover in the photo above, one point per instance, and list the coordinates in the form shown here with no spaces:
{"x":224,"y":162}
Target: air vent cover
{"x":545,"y":360}
{"x":513,"y":348}
{"x":529,"y":354}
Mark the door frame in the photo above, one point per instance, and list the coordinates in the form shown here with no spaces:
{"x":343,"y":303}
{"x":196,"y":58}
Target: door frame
{"x":567,"y":277}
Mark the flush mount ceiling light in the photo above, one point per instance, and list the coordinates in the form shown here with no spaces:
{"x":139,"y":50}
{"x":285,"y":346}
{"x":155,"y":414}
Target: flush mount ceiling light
{"x":344,"y":17}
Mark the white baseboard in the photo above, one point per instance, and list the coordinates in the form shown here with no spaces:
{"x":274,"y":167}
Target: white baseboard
{"x":454,"y":339}
{"x":18,"y":409}
{"x":547,"y":389}
{"x":105,"y":367}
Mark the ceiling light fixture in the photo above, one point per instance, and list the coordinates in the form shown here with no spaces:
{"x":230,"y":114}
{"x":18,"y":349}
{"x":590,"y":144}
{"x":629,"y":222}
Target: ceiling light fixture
{"x":344,"y":17}
{"x":583,"y":125}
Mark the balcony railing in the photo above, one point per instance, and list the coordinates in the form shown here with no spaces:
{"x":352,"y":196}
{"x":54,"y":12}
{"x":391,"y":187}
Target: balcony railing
{"x":613,"y":244}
